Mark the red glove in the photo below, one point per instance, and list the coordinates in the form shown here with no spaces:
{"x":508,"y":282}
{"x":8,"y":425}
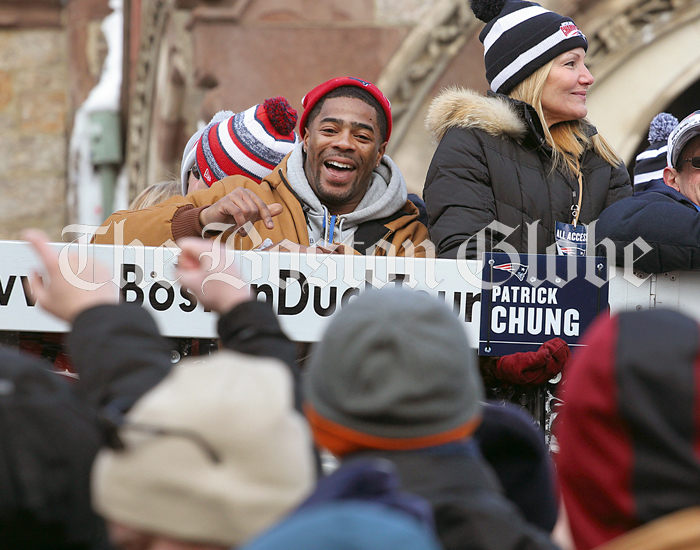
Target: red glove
{"x":533,"y":368}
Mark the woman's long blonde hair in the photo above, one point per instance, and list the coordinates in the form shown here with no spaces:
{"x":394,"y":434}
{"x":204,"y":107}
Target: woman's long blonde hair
{"x":156,"y":193}
{"x":568,"y":139}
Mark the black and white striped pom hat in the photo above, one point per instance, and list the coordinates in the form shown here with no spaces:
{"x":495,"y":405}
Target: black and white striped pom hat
{"x":520,"y":37}
{"x":649,"y":164}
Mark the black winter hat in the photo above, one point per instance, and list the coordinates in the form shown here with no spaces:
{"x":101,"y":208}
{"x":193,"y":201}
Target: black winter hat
{"x":48,"y":440}
{"x":520,"y":37}
{"x":515,"y":448}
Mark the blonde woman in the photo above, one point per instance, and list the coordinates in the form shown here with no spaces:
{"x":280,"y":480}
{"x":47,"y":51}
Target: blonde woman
{"x":526,"y":153}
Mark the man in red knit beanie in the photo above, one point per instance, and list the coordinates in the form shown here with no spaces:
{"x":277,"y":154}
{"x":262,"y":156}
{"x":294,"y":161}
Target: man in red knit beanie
{"x":336,"y":189}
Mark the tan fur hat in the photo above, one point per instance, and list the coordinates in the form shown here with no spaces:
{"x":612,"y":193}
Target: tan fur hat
{"x":232,"y":456}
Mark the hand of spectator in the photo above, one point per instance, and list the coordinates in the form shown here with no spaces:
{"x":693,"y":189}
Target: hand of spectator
{"x":533,"y":368}
{"x":202,"y":268}
{"x":239,"y":207}
{"x":67,"y":293}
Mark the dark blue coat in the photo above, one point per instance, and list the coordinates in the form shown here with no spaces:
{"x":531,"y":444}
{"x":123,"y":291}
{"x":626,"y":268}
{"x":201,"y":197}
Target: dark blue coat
{"x":665,"y":219}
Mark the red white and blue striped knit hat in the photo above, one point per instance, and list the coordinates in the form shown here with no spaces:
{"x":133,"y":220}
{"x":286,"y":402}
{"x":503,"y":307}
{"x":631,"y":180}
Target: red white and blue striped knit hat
{"x":629,"y":428}
{"x":250,"y":143}
{"x":521,"y":37}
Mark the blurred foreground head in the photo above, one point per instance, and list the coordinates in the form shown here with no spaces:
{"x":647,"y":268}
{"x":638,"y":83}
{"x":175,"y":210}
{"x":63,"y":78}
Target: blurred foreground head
{"x":393,"y":371}
{"x":629,"y":429}
{"x":48,"y":440}
{"x":214,"y":454}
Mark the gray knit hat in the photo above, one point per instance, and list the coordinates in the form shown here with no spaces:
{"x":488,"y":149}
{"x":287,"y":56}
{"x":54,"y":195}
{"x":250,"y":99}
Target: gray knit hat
{"x":394,"y":370}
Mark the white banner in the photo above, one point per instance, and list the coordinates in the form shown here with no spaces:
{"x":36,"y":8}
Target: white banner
{"x":304,"y":290}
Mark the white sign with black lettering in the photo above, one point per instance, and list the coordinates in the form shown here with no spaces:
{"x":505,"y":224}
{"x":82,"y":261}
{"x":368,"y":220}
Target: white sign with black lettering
{"x":304,"y":290}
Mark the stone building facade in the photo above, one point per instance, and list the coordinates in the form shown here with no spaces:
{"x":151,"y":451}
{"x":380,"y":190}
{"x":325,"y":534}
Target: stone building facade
{"x":186,"y":59}
{"x":50,"y":58}
{"x":34,"y":110}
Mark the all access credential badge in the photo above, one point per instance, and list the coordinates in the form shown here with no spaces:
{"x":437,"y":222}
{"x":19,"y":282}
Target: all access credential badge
{"x":571,"y":239}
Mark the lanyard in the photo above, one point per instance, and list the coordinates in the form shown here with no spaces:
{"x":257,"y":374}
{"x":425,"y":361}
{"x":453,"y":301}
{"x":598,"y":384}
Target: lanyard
{"x":331,"y":228}
{"x":580,"y":196}
{"x":576,"y":210}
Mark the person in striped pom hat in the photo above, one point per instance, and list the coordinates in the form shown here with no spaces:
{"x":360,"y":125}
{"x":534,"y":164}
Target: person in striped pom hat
{"x":250,"y":143}
{"x":665,"y":212}
{"x":522,"y":165}
{"x":649,"y":164}
{"x":525,"y":156}
{"x":256,"y":136}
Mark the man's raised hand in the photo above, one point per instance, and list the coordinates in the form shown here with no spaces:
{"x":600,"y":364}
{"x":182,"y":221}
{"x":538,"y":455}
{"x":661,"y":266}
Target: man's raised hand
{"x":203,"y":268}
{"x":66,"y":294}
{"x":239,"y":207}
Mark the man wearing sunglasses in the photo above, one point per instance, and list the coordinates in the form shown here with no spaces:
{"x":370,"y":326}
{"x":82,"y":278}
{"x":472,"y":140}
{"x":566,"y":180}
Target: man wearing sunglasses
{"x":665,"y":215}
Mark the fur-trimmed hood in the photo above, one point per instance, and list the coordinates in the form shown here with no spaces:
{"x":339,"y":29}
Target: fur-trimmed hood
{"x":462,"y":108}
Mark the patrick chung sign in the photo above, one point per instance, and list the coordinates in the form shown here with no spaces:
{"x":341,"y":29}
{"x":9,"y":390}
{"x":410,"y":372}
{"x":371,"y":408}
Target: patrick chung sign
{"x":531,"y":300}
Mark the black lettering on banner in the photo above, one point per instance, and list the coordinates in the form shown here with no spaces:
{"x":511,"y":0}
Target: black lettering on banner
{"x":5,"y":293}
{"x":349,"y":293}
{"x":191,"y":300}
{"x":471,"y":300}
{"x":456,"y":300}
{"x":27,"y":288}
{"x":399,"y":279}
{"x":369,"y":279}
{"x":153,"y":296}
{"x":131,"y":286}
{"x":256,"y":290}
{"x":282,"y":307}
{"x":318,"y":308}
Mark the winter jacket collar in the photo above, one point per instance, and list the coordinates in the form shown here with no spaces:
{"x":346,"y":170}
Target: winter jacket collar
{"x":662,"y":188}
{"x":495,"y":114}
{"x":373,"y":480}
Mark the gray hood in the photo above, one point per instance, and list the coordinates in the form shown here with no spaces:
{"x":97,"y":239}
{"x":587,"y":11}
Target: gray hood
{"x":386,"y":195}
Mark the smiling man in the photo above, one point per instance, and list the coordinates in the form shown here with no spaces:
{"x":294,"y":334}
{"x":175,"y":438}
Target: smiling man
{"x":336,"y":187}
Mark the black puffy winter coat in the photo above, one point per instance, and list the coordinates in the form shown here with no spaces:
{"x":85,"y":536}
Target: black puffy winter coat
{"x":493,"y":164}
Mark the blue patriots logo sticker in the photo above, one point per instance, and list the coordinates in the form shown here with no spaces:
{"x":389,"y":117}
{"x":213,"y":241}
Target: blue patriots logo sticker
{"x":519,"y":270}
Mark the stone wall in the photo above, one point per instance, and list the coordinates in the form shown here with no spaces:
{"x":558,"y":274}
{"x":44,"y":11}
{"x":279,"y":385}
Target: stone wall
{"x":33,"y":135}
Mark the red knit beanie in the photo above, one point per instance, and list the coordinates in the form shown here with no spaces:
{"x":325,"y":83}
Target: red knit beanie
{"x":321,"y":90}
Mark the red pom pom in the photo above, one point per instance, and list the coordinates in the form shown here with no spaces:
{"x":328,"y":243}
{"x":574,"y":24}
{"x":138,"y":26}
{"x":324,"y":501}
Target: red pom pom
{"x":281,"y":114}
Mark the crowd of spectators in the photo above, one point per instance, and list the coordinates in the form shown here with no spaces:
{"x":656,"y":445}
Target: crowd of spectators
{"x":383,"y":437}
